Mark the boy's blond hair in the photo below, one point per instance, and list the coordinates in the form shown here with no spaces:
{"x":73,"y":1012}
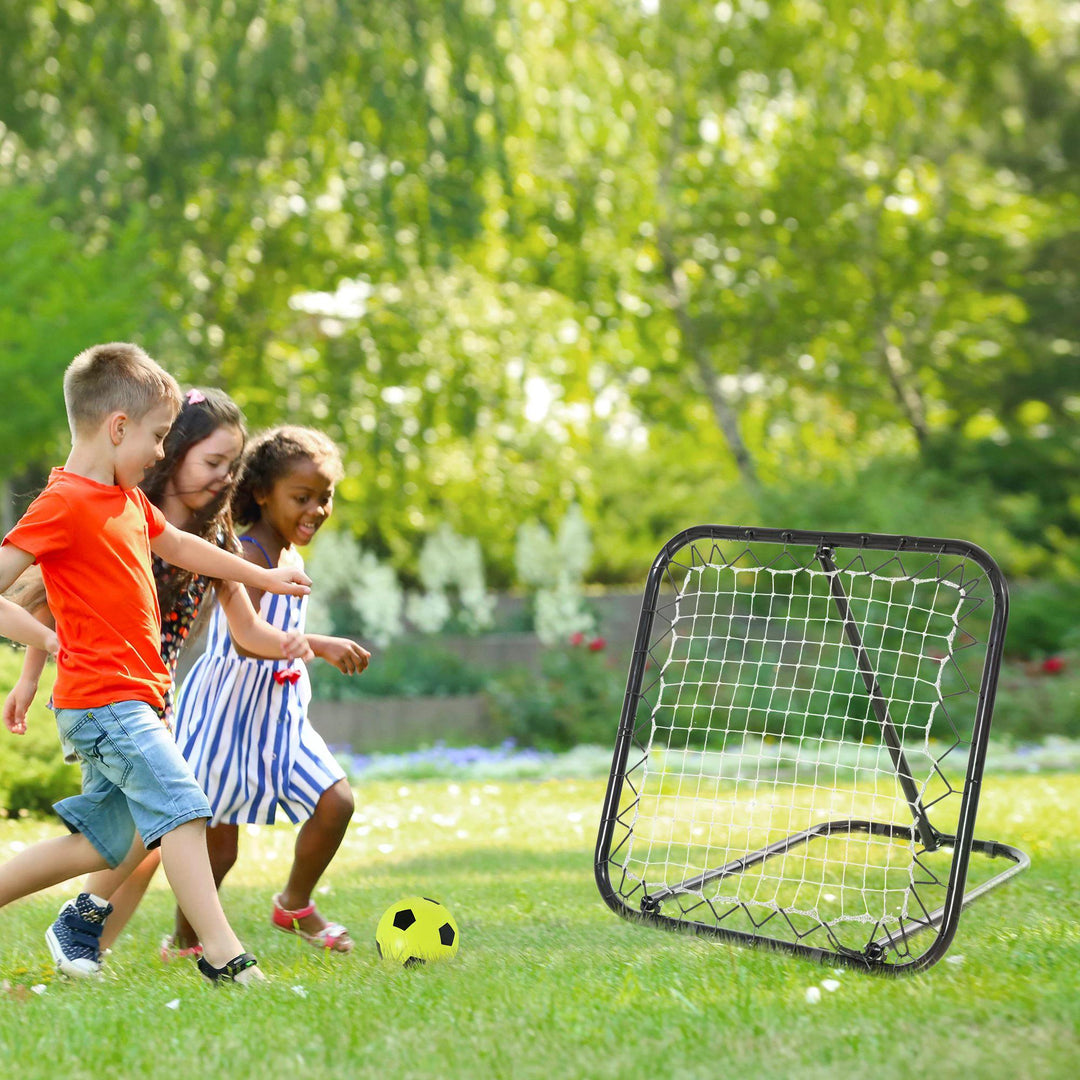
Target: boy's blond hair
{"x":117,"y":377}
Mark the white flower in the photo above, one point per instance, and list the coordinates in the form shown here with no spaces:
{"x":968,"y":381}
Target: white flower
{"x":174,"y":1004}
{"x":39,"y":988}
{"x":353,"y":585}
{"x":299,"y":991}
{"x":813,"y":995}
{"x":832,"y":985}
{"x":449,"y":561}
{"x":560,"y":614}
{"x":954,"y":959}
{"x":378,"y":599}
{"x":535,"y":555}
{"x":428,"y":611}
{"x":556,"y":566}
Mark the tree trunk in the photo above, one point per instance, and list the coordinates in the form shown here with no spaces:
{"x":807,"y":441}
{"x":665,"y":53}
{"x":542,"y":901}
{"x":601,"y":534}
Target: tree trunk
{"x":903,"y":384}
{"x":722,"y":406}
{"x":678,"y":300}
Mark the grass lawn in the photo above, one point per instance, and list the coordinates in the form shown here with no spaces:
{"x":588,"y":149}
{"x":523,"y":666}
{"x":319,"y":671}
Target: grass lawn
{"x":548,"y":982}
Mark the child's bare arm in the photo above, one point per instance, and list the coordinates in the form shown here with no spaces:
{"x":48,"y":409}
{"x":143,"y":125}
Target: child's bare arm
{"x":192,"y":553}
{"x":21,"y":626}
{"x":13,"y":562}
{"x":15,"y":622}
{"x":22,"y":694}
{"x":254,"y":636}
{"x":347,"y":656}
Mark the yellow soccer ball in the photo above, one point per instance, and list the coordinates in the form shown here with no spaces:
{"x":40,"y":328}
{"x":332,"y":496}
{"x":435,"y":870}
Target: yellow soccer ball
{"x":416,"y":930}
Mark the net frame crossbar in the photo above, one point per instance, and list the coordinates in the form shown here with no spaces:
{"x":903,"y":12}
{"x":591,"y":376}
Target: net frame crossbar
{"x":888,"y":949}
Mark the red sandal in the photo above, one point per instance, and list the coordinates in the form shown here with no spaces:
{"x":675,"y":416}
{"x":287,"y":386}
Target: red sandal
{"x":333,"y":937}
{"x":170,"y":951}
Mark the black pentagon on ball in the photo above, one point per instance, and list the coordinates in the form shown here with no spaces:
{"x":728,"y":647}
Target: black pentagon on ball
{"x":446,"y":934}
{"x":404,"y":919}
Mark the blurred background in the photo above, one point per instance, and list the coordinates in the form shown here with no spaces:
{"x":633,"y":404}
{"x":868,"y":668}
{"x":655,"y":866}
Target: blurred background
{"x":563,"y":277}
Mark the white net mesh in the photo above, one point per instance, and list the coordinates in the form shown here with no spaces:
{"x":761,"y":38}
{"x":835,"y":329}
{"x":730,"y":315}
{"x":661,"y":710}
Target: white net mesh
{"x":787,"y":701}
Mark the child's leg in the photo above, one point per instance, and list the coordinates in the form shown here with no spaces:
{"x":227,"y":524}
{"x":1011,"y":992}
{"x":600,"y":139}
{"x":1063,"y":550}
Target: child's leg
{"x":128,"y":896}
{"x":106,"y":882}
{"x":123,"y":886}
{"x":316,"y":844}
{"x":221,"y":846}
{"x":46,"y":864}
{"x":187,"y":866}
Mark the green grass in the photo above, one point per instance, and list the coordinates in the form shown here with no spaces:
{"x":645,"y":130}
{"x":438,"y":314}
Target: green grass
{"x":548,"y":982}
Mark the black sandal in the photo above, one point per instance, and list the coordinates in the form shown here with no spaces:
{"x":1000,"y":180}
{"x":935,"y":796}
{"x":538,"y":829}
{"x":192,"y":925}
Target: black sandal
{"x":229,"y":972}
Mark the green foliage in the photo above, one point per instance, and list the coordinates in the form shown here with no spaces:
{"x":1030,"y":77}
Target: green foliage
{"x":1044,"y":618}
{"x":1033,"y":704}
{"x":407,"y":670}
{"x":33,"y":774}
{"x":62,"y":291}
{"x":576,"y":698}
{"x":897,"y":495}
{"x":692,"y":253}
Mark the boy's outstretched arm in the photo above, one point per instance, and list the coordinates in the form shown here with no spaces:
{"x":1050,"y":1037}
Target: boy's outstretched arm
{"x":15,"y":623}
{"x":201,"y":557}
{"x":254,"y":636}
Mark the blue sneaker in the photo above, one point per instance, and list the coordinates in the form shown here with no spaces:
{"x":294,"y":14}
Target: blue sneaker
{"x":74,"y":940}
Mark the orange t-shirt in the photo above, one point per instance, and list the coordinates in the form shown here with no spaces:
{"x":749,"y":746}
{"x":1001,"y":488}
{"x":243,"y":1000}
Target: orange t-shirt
{"x":92,"y":542}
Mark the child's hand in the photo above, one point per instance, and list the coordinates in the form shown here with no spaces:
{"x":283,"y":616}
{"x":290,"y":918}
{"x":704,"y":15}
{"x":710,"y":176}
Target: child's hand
{"x":15,"y":706}
{"x":348,"y":657}
{"x":297,"y":647}
{"x":288,"y":580}
{"x":52,"y":644}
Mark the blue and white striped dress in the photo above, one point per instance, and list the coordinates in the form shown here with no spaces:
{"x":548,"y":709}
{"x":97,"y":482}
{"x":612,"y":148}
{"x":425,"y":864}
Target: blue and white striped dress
{"x":246,"y":733}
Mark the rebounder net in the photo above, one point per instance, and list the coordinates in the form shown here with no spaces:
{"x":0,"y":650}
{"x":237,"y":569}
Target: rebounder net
{"x":801,"y":745}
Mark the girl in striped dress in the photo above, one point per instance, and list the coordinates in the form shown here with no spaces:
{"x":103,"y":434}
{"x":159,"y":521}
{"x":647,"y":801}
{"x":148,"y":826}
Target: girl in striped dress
{"x":242,"y":723}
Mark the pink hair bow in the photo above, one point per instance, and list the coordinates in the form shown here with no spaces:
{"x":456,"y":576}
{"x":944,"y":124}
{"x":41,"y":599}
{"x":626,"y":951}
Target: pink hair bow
{"x":195,"y":397}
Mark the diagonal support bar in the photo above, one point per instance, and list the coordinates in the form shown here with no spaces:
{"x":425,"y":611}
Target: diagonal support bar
{"x":927,"y":833}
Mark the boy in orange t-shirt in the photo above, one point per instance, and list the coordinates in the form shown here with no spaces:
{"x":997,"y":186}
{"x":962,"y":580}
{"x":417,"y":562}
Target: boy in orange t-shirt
{"x":92,"y":531}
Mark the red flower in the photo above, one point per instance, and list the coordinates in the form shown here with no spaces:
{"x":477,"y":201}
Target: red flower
{"x":577,"y":639}
{"x":597,"y":644}
{"x":1053,"y":665}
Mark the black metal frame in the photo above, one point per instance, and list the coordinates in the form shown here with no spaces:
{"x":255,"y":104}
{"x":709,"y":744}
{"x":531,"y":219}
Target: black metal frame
{"x":888,"y":951}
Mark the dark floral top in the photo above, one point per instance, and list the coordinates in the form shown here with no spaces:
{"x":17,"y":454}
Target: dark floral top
{"x":176,"y":624}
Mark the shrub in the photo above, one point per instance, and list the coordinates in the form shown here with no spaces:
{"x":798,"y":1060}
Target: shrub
{"x":33,"y":774}
{"x":555,"y":566}
{"x":576,"y":698}
{"x":1035,"y":700}
{"x":1044,"y":617}
{"x":451,"y":566}
{"x":400,"y":672}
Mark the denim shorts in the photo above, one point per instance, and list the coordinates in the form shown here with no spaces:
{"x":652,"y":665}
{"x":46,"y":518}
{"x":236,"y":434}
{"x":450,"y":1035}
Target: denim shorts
{"x":133,"y":778}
